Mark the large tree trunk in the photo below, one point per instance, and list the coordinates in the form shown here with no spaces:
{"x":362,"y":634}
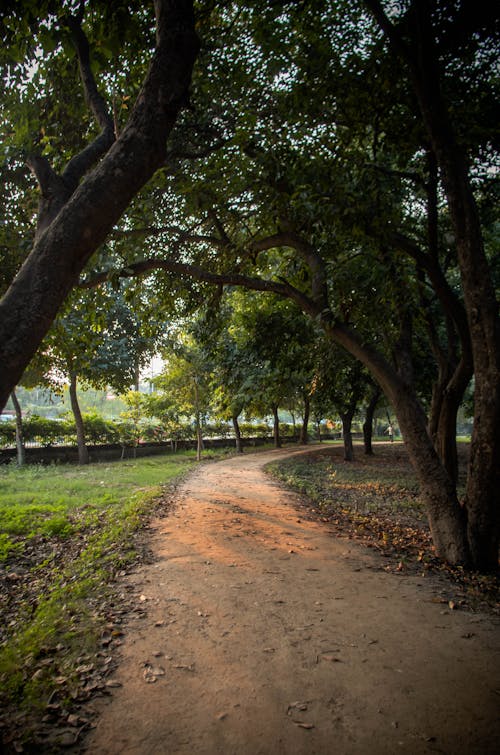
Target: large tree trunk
{"x":482,"y":497}
{"x":21,"y":452}
{"x":443,"y":416}
{"x":304,"y":435}
{"x":368,"y":423}
{"x":446,"y":517}
{"x":237,"y":434}
{"x":83,"y":453}
{"x":85,"y":218}
{"x":276,"y":428}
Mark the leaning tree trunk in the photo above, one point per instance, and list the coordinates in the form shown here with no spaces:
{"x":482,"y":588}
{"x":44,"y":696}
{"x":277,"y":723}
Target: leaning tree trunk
{"x":21,"y":451}
{"x":304,"y":435}
{"x":368,"y":423}
{"x":97,"y":187}
{"x":276,"y":428}
{"x":237,"y":434}
{"x":83,"y":453}
{"x":447,"y":520}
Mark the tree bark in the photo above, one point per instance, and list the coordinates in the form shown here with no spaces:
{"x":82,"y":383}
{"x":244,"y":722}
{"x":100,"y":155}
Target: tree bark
{"x":83,"y":453}
{"x":368,"y":423}
{"x":443,"y":423}
{"x":237,"y":434}
{"x":304,"y":435}
{"x":21,"y":451}
{"x":79,"y":227}
{"x":199,"y":437}
{"x":346,"y":418}
{"x":276,"y":428}
{"x":447,"y":519}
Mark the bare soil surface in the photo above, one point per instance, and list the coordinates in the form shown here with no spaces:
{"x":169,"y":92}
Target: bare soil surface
{"x":264,"y":633}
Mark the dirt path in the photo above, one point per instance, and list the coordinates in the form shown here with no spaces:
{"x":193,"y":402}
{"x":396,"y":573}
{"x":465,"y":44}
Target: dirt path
{"x":275,"y":637}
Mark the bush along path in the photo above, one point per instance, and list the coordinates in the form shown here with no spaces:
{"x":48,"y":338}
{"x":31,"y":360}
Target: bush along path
{"x":263,"y":630}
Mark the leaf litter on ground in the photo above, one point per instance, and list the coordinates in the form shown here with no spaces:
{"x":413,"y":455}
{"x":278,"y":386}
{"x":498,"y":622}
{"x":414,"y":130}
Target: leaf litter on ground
{"x":375,"y":501}
{"x":63,"y":681}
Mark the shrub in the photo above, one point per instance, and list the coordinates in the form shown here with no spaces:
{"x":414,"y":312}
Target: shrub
{"x":259,"y":430}
{"x":99,"y":430}
{"x":7,"y":433}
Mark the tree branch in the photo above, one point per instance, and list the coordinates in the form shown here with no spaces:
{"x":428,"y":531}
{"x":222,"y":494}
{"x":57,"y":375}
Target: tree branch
{"x":444,"y":292}
{"x":409,"y":175}
{"x":193,"y":154}
{"x":182,"y":237}
{"x":79,"y":165}
{"x":314,"y":261}
{"x":195,"y":272}
{"x":46,"y":176}
{"x":389,"y":29}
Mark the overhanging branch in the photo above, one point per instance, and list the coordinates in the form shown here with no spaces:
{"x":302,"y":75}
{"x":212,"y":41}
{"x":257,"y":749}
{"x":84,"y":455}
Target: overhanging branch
{"x":195,"y":272}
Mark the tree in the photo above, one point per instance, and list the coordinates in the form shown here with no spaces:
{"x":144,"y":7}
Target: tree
{"x":373,"y":399}
{"x":185,"y":383}
{"x":414,"y":38}
{"x":340,"y":383}
{"x":358,"y":203}
{"x":275,"y":344}
{"x":98,"y":340}
{"x":80,"y":204}
{"x":314,"y":203}
{"x":234,"y":378}
{"x":131,"y":428}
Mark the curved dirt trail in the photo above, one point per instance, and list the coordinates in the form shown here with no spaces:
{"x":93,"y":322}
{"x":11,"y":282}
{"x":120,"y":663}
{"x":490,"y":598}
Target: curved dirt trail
{"x":275,"y":637}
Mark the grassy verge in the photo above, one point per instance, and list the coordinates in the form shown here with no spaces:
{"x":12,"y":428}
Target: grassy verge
{"x":65,"y":533}
{"x":376,"y":501}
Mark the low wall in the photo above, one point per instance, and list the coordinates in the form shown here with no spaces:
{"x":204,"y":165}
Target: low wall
{"x":113,"y":452}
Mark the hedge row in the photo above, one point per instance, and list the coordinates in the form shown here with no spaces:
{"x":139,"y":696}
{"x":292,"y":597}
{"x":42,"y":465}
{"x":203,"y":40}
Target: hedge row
{"x":45,"y":432}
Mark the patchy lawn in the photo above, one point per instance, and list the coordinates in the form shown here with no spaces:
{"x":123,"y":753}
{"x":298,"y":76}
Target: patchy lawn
{"x":66,"y":533}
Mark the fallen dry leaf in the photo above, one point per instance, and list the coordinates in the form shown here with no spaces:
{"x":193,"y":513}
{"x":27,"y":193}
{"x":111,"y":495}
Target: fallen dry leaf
{"x":297,"y":705}
{"x":329,"y":657}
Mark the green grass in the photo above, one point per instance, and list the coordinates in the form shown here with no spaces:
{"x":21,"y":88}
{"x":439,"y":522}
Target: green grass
{"x":65,"y":531}
{"x":53,"y":500}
